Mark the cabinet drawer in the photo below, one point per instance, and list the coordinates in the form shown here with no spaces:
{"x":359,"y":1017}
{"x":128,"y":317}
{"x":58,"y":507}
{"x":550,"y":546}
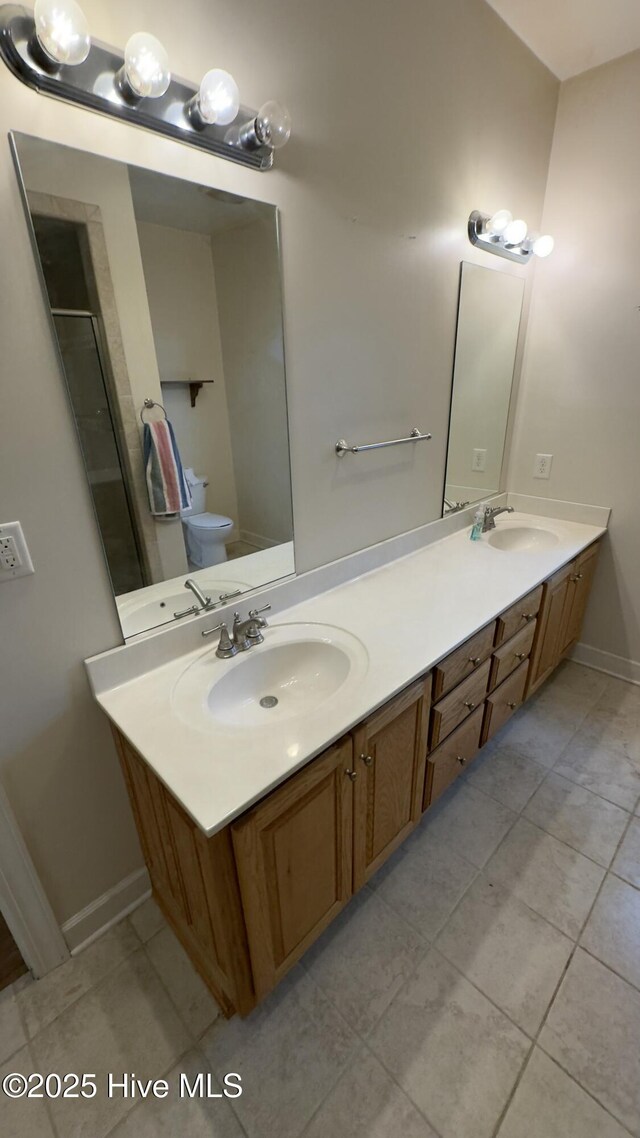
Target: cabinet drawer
{"x":456,"y":706}
{"x":519,"y":615}
{"x":452,"y":756}
{"x":510,"y":655}
{"x":461,"y":663}
{"x":502,"y":703}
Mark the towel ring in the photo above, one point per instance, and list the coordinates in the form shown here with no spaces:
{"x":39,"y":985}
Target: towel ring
{"x":148,"y":404}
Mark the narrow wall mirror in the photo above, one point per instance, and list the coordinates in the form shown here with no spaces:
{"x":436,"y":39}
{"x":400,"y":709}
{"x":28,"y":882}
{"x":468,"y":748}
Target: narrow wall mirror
{"x":166,"y":301}
{"x":489,"y":311}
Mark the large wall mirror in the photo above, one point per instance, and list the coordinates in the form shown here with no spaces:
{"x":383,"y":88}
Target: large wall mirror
{"x":166,"y":301}
{"x":489,"y":311}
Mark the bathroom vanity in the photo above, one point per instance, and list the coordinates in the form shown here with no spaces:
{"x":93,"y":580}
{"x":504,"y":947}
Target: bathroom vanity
{"x":255,"y":842}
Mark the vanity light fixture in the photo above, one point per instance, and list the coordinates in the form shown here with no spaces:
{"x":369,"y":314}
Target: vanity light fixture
{"x":145,"y":72}
{"x":51,"y":51}
{"x":217,"y":101}
{"x":61,"y":33}
{"x":499,"y":233}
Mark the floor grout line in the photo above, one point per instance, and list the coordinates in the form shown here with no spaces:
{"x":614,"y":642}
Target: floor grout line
{"x":553,"y":999}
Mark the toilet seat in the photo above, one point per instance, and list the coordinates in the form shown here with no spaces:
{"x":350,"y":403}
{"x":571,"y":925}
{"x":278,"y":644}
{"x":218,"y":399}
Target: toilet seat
{"x":208,"y":521}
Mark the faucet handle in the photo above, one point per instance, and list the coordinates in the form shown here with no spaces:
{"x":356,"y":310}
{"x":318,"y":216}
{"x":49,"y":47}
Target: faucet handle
{"x":253,"y":613}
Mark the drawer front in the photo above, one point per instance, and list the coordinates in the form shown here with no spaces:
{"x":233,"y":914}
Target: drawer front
{"x":502,"y":703}
{"x":510,"y":655}
{"x":456,"y":706}
{"x":463,"y":662}
{"x":452,"y":757}
{"x":519,"y":615}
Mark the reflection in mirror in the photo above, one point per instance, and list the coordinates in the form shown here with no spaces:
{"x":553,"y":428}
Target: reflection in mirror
{"x":166,"y":301}
{"x":489,"y":310}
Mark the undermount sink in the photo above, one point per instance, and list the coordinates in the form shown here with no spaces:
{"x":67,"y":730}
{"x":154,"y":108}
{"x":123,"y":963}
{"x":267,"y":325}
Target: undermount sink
{"x":291,"y":675}
{"x":513,"y":537}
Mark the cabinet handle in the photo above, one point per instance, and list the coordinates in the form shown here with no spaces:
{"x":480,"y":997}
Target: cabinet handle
{"x":576,"y":577}
{"x":367,"y":760}
{"x":352,"y":775}
{"x":474,"y":660}
{"x":461,"y":760}
{"x":527,"y":615}
{"x":520,"y":655}
{"x":512,"y":704}
{"x":470,"y":704}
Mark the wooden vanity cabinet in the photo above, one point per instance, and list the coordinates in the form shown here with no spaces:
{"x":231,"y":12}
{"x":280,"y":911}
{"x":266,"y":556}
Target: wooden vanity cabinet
{"x":294,"y":853}
{"x":247,"y":902}
{"x":194,"y":882}
{"x":390,"y":751}
{"x":580,"y":581}
{"x":564,"y":601}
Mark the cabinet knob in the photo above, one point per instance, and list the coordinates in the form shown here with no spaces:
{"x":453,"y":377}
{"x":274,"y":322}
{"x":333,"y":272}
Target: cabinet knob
{"x":470,"y":704}
{"x":461,"y":760}
{"x":512,"y":704}
{"x":527,"y":615}
{"x":352,"y":775}
{"x":474,"y":660}
{"x":576,"y":577}
{"x":520,"y":655}
{"x":367,"y":760}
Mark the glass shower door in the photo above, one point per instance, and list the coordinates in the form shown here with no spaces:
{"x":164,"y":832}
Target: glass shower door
{"x":80,"y":349}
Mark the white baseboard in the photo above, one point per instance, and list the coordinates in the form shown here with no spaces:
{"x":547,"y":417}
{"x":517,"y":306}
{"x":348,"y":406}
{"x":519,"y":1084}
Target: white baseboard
{"x":258,"y":539}
{"x":94,"y":920}
{"x":607,"y":662}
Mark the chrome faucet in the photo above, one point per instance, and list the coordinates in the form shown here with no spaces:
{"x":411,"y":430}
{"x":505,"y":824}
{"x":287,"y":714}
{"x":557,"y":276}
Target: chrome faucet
{"x":244,"y":633}
{"x":490,"y":515}
{"x":204,"y":603}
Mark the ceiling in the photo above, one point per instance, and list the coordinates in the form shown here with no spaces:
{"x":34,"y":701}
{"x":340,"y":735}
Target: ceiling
{"x":571,"y":36}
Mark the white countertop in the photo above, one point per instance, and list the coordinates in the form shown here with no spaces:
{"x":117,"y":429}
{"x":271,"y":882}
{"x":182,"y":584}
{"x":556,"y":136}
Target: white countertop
{"x":407,"y":614}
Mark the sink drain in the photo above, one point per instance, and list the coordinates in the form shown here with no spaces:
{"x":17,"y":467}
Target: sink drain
{"x":269,"y":701}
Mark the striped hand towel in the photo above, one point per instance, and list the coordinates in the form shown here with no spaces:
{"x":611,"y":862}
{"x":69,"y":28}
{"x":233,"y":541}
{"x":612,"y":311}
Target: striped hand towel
{"x":166,"y":484}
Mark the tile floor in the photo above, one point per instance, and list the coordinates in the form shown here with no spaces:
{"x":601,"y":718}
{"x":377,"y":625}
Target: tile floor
{"x":486,"y":983}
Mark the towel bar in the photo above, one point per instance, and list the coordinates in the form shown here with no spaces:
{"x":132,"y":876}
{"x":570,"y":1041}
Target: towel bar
{"x":343,"y":448}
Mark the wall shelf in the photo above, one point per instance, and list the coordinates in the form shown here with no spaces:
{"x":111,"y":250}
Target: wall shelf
{"x":194,"y":385}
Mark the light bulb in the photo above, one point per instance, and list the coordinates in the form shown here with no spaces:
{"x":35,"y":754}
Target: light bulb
{"x":218,"y":100}
{"x":146,"y":66}
{"x":515,"y":232}
{"x":497,"y":224}
{"x":543,"y":246}
{"x":273,"y":125}
{"x":62,"y":31}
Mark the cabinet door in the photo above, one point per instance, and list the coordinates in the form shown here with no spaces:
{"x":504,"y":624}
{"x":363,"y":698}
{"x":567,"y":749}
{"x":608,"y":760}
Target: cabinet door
{"x":549,"y":632}
{"x":578,"y":590}
{"x":294,"y":857}
{"x":390,"y":757}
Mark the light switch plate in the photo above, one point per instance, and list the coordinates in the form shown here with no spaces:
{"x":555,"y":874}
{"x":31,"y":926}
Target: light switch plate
{"x":15,"y":560}
{"x":479,"y":460}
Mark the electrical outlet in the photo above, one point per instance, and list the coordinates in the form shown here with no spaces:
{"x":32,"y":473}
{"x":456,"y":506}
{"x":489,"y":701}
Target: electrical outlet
{"x":14,"y":555}
{"x":542,"y":465}
{"x":479,"y":460}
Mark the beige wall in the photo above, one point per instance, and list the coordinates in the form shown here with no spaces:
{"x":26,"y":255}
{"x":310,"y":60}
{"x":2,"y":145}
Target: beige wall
{"x":181,"y":291}
{"x":580,"y":395}
{"x":406,"y":117}
{"x":247,"y":272}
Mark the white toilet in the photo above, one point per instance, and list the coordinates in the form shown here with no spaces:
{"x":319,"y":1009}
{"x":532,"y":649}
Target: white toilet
{"x":204,"y":534}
